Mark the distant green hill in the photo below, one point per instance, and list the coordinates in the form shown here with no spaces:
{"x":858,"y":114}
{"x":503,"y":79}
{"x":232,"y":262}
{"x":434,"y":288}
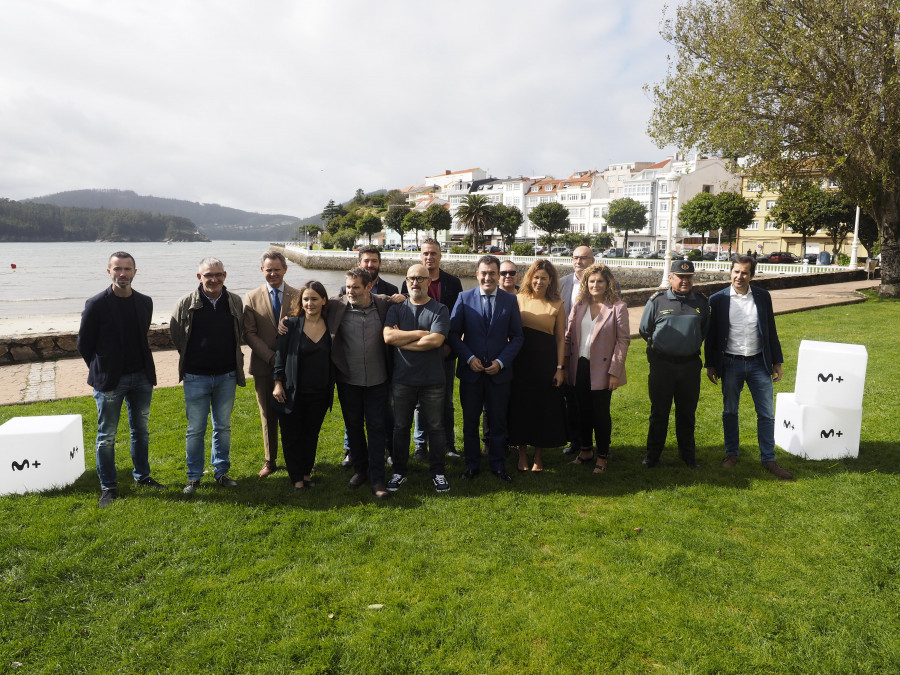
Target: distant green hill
{"x":213,"y":220}
{"x":30,"y":221}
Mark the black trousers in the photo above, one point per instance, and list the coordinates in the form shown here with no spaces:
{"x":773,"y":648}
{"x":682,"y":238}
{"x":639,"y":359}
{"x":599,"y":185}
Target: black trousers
{"x":593,"y":410}
{"x":300,"y":432}
{"x":668,"y":382}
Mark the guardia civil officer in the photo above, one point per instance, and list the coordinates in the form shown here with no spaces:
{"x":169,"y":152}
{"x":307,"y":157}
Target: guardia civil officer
{"x":674,"y":324}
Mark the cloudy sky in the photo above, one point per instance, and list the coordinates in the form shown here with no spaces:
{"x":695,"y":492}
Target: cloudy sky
{"x":278,"y":106}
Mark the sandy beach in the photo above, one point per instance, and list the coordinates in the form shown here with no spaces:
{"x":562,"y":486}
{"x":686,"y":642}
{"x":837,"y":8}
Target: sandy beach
{"x":64,"y":323}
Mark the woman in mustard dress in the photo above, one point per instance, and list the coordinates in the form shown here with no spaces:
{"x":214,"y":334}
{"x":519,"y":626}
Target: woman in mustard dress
{"x":536,"y":409}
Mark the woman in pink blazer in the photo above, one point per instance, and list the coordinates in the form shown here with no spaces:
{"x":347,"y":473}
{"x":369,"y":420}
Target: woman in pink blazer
{"x":597,"y":339}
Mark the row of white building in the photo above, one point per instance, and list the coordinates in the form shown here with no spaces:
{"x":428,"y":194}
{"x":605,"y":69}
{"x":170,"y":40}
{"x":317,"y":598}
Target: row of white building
{"x":661,"y":187}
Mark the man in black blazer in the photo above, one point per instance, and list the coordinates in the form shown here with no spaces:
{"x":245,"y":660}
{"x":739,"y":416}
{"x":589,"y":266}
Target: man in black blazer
{"x":112,"y":340}
{"x":742,"y":346}
{"x":445,"y":288}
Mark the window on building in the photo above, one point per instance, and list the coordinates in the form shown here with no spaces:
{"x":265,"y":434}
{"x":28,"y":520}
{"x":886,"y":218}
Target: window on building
{"x":770,"y":204}
{"x":754,"y":225}
{"x":708,"y":188}
{"x":772,"y":225}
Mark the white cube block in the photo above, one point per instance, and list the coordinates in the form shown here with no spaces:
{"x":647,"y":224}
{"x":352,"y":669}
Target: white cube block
{"x":815,"y":432}
{"x":831,"y":374}
{"x":38,"y":453}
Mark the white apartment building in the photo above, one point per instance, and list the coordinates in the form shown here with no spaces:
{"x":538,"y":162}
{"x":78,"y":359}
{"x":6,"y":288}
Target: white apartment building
{"x":663,"y":198}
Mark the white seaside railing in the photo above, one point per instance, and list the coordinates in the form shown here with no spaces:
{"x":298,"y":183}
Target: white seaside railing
{"x":636,"y":263}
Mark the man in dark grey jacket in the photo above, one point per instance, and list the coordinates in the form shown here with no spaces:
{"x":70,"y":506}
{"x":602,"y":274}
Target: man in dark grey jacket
{"x":112,"y":340}
{"x":206,"y":328}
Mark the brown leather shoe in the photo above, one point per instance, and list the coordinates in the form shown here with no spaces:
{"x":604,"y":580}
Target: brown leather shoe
{"x":729,"y":461}
{"x":268,"y":467}
{"x":776,"y":469}
{"x":380,"y":491}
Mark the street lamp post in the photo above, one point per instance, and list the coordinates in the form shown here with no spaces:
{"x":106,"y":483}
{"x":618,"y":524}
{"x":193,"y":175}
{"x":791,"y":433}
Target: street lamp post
{"x":673,"y":178}
{"x":854,"y":250}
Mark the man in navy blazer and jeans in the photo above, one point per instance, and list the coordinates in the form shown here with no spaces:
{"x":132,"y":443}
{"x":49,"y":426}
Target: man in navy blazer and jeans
{"x":486,"y":334}
{"x":112,"y":340}
{"x":742,"y":346}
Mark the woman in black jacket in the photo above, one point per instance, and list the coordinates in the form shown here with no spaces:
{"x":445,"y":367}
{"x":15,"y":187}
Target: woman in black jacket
{"x":304,"y":383}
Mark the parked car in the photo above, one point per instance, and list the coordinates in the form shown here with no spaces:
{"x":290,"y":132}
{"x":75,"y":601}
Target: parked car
{"x":712,"y":255}
{"x":560,"y":251}
{"x":654,"y":255}
{"x":410,"y":247}
{"x":638,"y":252}
{"x":781,"y":257}
{"x":614,"y":253}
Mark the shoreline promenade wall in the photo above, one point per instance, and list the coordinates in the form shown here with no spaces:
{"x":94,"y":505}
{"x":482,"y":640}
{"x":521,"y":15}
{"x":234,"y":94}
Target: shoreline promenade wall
{"x":638,"y":284}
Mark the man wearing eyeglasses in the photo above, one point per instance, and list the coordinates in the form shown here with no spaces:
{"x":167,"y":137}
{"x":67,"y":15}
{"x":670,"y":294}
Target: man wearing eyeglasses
{"x":206,"y":328}
{"x":445,"y":288}
{"x":509,"y":273}
{"x":569,"y":287}
{"x":417,"y":330}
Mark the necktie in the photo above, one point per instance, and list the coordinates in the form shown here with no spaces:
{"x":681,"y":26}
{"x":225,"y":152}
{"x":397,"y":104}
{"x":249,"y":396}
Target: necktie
{"x":488,"y":309}
{"x":276,"y":304}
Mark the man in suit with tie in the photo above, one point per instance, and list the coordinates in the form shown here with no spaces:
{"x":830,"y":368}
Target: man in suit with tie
{"x":263,"y":309}
{"x":486,"y":334}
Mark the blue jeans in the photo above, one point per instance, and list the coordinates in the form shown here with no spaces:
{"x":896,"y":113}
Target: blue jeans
{"x":421,"y":417}
{"x":204,"y":394}
{"x":430,"y":400}
{"x":135,"y":389}
{"x":759,"y":382}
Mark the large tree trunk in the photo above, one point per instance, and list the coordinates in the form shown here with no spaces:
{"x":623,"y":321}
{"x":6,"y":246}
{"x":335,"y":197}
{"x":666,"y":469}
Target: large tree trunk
{"x":888,"y":216}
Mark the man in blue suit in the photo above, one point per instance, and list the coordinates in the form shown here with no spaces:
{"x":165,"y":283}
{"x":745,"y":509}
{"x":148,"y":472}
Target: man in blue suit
{"x":743,"y":346}
{"x":486,"y":334}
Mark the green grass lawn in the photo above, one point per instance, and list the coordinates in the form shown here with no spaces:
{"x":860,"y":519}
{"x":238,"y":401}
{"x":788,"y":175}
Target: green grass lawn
{"x":663,"y":570}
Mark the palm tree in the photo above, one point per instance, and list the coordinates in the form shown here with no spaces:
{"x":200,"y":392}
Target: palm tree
{"x":476,"y":214}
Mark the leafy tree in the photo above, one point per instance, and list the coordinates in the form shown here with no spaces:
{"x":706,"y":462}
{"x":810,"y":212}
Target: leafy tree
{"x":476,"y":214}
{"x":508,"y":221}
{"x":601,"y":241}
{"x":698,"y":215}
{"x":793,"y":85}
{"x":573,"y":240}
{"x":345,"y":238}
{"x":414,"y":221}
{"x":395,"y":197}
{"x":313,"y":231}
{"x":394,"y":219}
{"x":839,"y":218}
{"x":332,"y":211}
{"x":522,"y":248}
{"x":626,"y":215}
{"x":327,"y":240}
{"x":437,"y":219}
{"x":868,"y":234}
{"x":733,"y":212}
{"x":552,"y":218}
{"x":360,"y":197}
{"x":368,"y":225}
{"x":801,"y":207}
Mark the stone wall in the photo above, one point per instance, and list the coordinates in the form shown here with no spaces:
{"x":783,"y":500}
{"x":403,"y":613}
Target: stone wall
{"x":50,"y":346}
